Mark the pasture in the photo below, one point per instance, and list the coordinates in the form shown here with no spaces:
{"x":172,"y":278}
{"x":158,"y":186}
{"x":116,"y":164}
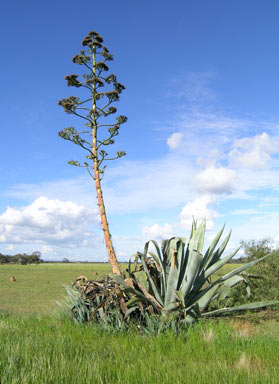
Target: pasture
{"x":37,"y":286}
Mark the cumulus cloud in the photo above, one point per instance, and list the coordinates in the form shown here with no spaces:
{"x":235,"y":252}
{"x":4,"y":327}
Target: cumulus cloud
{"x":253,"y":152}
{"x":46,"y":249}
{"x":175,"y":140}
{"x":47,"y":222}
{"x":215,"y":180}
{"x":158,"y":232}
{"x":199,"y":209}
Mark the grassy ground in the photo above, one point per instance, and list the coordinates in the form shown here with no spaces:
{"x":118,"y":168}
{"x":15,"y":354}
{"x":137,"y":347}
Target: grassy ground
{"x":38,"y":346}
{"x":48,"y":350}
{"x":38,"y":286}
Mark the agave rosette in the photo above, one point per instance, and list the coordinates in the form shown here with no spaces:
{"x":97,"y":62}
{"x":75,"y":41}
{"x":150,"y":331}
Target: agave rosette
{"x":179,"y":279}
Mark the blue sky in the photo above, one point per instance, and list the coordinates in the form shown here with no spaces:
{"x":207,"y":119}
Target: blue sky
{"x":202,"y":136}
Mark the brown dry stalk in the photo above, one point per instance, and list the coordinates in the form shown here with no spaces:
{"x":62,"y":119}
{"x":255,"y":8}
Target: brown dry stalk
{"x":104,"y":221}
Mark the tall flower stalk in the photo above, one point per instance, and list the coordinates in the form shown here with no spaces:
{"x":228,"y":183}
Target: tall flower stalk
{"x":93,"y":109}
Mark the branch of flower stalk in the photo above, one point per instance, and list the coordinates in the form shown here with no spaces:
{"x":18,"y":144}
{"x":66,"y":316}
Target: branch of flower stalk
{"x":85,"y":118}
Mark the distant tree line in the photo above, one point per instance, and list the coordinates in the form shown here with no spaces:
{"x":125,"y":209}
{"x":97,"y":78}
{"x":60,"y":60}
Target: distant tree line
{"x":21,"y":258}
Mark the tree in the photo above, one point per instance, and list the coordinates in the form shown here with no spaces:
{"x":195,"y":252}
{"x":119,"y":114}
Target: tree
{"x":256,"y":249}
{"x":93,"y":110}
{"x":266,"y":287}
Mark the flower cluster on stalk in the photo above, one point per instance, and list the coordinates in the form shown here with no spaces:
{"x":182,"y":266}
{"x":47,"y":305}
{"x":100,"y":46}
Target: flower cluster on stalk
{"x":95,"y":80}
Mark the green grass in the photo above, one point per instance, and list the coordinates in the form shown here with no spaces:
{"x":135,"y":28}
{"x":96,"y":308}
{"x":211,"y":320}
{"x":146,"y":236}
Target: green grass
{"x":48,"y":350}
{"x":38,"y":286}
{"x":37,"y":345}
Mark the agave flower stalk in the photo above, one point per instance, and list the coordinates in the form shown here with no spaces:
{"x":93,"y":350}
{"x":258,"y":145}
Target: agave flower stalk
{"x":95,"y":107}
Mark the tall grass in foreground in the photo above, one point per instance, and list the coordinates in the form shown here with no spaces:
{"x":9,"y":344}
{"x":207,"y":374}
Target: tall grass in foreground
{"x":51,"y":350}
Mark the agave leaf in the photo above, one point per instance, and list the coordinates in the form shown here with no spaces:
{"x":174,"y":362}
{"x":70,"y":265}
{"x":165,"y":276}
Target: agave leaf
{"x":193,"y":314}
{"x":224,"y":278}
{"x":171,"y":306}
{"x":219,"y":264}
{"x":160,"y":261}
{"x":225,"y":288}
{"x":127,"y":289}
{"x":130,"y":310}
{"x":135,"y":257}
{"x":205,"y":274}
{"x":232,"y":281}
{"x":151,"y":282}
{"x":139,"y":296}
{"x":142,"y":279}
{"x":167,"y":246}
{"x":244,"y":307}
{"x":192,"y":269}
{"x":211,"y":248}
{"x":180,"y":247}
{"x":184,"y":264}
{"x":164,"y":245}
{"x":224,"y":291}
{"x":175,"y":254}
{"x":180,"y":298}
{"x":159,"y":256}
{"x":156,"y":261}
{"x":242,"y":268}
{"x":149,"y":297}
{"x":194,"y":228}
{"x":201,"y":236}
{"x":161,"y":273}
{"x":118,"y":279}
{"x":217,"y":255}
{"x":206,"y":298}
{"x":134,"y":300}
{"x":197,"y":239}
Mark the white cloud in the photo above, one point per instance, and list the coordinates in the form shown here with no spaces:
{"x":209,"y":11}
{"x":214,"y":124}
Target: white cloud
{"x":46,"y":249}
{"x":158,"y":232}
{"x":199,"y":209}
{"x":10,"y":247}
{"x":215,"y":180}
{"x":47,"y":222}
{"x":253,"y":152}
{"x":175,"y":140}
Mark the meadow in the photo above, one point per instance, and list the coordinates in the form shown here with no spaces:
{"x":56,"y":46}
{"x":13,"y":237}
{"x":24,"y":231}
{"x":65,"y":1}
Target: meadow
{"x":37,"y":286}
{"x":40,"y":345}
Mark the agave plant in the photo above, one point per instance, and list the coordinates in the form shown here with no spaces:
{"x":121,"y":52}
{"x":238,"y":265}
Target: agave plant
{"x":178,"y":279}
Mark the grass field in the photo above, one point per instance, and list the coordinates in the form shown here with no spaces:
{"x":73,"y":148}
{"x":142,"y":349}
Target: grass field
{"x":38,"y":286}
{"x":37,"y":345}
